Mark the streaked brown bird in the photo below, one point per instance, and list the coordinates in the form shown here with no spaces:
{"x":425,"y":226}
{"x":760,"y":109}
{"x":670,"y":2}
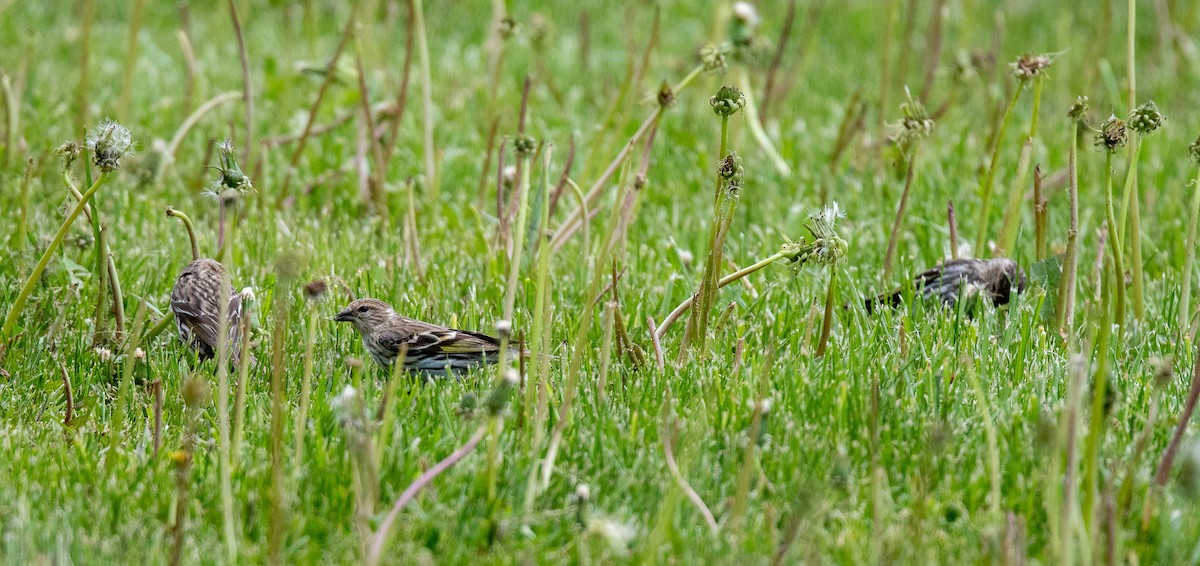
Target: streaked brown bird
{"x":961,"y":279}
{"x":431,"y":350}
{"x":195,"y":300}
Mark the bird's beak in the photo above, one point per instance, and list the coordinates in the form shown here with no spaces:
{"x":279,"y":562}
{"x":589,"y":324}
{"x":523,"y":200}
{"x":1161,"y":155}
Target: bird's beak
{"x":344,"y":316}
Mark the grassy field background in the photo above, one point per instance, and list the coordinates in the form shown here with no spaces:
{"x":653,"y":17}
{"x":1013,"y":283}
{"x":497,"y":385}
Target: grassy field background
{"x":920,"y":435}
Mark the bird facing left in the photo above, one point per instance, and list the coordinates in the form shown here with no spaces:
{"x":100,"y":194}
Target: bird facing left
{"x":195,"y":300}
{"x":432,"y":350}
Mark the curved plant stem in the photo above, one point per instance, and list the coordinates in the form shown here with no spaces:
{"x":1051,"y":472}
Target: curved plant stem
{"x":381,"y":535}
{"x":756,"y":128}
{"x":14,"y":312}
{"x":191,"y":230}
{"x":694,"y":497}
{"x":732,"y":277}
{"x":168,"y":154}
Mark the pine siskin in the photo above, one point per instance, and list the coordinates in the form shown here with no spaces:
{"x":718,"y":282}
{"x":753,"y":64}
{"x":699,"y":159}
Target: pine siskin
{"x":433,"y":350}
{"x":195,"y":302}
{"x":962,"y":278}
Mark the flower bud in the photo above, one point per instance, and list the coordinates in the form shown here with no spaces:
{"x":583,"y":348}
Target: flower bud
{"x":1146,"y":118}
{"x":727,"y":101}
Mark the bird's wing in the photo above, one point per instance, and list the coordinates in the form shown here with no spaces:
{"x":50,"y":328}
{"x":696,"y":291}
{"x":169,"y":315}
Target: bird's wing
{"x":428,"y":339}
{"x":201,"y":316}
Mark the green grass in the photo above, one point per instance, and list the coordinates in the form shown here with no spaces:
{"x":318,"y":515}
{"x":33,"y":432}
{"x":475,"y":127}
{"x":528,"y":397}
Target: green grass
{"x":883,"y":450}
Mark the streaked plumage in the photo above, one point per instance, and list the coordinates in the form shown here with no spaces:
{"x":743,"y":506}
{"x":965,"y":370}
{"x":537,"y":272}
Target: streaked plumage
{"x":195,"y":302}
{"x":430,"y":349}
{"x":992,"y":279}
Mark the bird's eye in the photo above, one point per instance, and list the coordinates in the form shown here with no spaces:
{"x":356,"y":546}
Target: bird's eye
{"x":364,"y":308}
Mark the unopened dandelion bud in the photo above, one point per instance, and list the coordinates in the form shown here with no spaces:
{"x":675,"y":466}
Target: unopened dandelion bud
{"x":525,"y":145}
{"x":1146,"y":118}
{"x":727,"y":101}
{"x":497,"y":401}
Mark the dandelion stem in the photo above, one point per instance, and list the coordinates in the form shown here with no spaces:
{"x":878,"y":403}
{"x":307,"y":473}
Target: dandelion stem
{"x":1016,"y":192}
{"x":1185,"y":307}
{"x":894,"y":239}
{"x":989,"y":177}
{"x":1114,"y":244}
{"x":1066,"y":289}
{"x":10,"y":322}
{"x":732,"y":277}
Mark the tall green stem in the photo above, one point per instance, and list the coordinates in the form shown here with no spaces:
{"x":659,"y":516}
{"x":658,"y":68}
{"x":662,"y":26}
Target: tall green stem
{"x":989,"y":177}
{"x":1066,"y":287}
{"x":1016,"y":191}
{"x":1185,"y":307}
{"x":894,"y":240}
{"x":1114,"y":243}
{"x":696,"y":332}
{"x":10,"y":322}
{"x":1130,"y":213}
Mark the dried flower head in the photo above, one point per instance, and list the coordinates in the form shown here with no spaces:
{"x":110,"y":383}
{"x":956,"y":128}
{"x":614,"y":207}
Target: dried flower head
{"x":666,"y":95}
{"x":713,"y":58}
{"x":1079,"y":108}
{"x":68,"y":152}
{"x":727,"y":101}
{"x":1112,"y":134}
{"x":315,"y":290}
{"x":1146,"y":118}
{"x":731,"y":172}
{"x":1194,"y":151}
{"x":109,"y":142}
{"x":1030,"y":66}
{"x":914,"y":125}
